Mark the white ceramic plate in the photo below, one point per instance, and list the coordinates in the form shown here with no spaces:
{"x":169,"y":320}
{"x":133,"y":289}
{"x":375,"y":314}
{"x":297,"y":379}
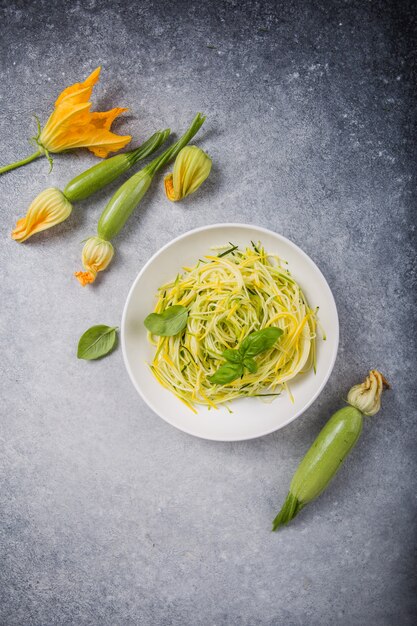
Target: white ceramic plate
{"x":251,"y":417}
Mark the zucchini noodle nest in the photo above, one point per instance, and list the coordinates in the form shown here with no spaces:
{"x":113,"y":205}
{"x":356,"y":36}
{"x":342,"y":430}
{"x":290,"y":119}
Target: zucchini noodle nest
{"x":229,"y":296}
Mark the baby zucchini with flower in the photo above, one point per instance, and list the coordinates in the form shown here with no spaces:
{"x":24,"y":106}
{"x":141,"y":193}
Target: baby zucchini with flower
{"x":52,"y":206}
{"x":73,"y":125}
{"x":192,"y":167}
{"x":98,"y":251}
{"x":331,"y":447}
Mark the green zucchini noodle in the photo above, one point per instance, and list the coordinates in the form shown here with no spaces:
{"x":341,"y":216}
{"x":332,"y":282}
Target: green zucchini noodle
{"x":229,"y":296}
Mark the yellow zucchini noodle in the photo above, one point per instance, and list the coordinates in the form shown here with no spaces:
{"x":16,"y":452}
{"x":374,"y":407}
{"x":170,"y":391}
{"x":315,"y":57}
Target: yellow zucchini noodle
{"x":229,"y":296}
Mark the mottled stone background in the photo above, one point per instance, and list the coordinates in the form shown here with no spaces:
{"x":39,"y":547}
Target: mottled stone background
{"x":108,"y":515}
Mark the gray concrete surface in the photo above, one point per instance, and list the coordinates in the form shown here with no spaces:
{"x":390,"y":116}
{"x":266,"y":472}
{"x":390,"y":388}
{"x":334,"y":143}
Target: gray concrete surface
{"x":108,"y":515}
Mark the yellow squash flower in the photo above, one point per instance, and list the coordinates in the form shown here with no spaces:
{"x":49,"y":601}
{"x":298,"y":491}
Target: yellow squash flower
{"x":72,"y":124}
{"x":96,"y":256}
{"x":366,"y":397}
{"x":191,"y":168}
{"x":49,"y":208}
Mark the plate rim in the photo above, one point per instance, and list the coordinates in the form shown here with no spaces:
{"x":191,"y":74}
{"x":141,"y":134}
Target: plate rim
{"x":212,"y":227}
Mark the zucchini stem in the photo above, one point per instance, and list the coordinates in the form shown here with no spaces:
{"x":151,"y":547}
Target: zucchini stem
{"x":291,"y":507}
{"x":148,"y":146}
{"x":172,"y":152}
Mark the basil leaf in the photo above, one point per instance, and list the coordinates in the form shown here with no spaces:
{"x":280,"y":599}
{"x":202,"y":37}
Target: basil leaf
{"x":96,"y":342}
{"x":250,"y":364}
{"x":259,"y":341}
{"x":226,"y":373}
{"x":237,"y":360}
{"x":169,"y":323}
{"x":233,"y":356}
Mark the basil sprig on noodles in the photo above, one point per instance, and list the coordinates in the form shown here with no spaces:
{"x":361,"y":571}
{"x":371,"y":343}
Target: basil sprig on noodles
{"x":238,"y":360}
{"x":230,"y":296}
